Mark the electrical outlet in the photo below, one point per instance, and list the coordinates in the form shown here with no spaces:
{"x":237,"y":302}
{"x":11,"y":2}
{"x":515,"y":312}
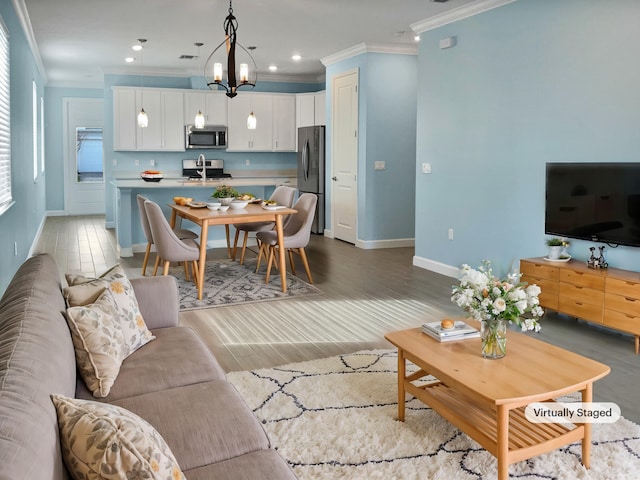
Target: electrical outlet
{"x":115,"y":162}
{"x":247,"y":162}
{"x":152,"y":162}
{"x":426,"y":168}
{"x":378,"y":165}
{"x":450,"y":234}
{"x":136,"y":162}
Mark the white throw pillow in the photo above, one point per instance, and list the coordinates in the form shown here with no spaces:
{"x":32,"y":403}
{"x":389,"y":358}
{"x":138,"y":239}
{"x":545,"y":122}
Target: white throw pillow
{"x":98,"y":342}
{"x":83,"y":291}
{"x":103,"y":441}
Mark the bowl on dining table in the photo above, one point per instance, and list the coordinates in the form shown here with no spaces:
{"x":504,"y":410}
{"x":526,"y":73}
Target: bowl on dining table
{"x":213,"y":205}
{"x":223,"y":208}
{"x":238,"y":204}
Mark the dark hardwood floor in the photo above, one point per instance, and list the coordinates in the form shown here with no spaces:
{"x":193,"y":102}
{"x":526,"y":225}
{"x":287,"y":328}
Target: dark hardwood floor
{"x":366,"y":293}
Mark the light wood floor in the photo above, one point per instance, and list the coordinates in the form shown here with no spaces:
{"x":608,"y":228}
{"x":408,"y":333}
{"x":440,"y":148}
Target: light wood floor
{"x":366,"y":293}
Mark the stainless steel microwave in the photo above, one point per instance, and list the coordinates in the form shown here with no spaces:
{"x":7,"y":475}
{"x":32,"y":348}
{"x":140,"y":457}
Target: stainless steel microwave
{"x":210,"y":136}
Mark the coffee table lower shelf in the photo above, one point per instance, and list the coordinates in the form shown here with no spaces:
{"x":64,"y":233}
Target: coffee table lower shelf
{"x":525,"y":439}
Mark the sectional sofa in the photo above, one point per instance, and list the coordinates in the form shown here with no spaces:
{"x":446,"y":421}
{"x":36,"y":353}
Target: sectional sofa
{"x":172,"y":382}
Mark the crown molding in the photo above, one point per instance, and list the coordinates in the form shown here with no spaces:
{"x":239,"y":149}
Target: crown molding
{"x":23,"y":16}
{"x":361,"y":48}
{"x":456,"y":14}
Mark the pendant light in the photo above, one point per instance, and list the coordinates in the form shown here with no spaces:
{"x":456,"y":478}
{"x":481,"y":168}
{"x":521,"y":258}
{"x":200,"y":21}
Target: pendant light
{"x":252,"y":121}
{"x":245,"y":76}
{"x":199,"y":120}
{"x":143,"y":119}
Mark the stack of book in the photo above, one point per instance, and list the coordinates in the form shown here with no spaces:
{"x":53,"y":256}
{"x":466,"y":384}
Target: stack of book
{"x":459,"y":331}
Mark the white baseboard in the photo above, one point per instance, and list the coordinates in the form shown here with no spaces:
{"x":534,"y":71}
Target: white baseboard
{"x":395,"y":243}
{"x":36,"y":238}
{"x":55,"y":213}
{"x":437,"y":267}
{"x":328,"y":233}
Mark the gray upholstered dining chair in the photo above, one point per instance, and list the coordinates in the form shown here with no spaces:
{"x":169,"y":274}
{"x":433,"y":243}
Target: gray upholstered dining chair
{"x":144,"y":221}
{"x":282,"y":195}
{"x":169,"y":247}
{"x":297,"y":232}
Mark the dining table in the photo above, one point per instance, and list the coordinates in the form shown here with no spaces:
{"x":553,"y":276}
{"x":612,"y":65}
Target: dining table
{"x":252,"y":213}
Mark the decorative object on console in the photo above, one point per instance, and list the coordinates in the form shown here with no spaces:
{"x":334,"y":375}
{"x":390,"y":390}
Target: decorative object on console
{"x":557,"y":248}
{"x":494,"y":302}
{"x":598,"y":262}
{"x":213,"y":66}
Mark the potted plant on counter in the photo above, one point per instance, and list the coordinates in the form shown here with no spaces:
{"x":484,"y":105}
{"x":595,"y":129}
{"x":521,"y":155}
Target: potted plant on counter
{"x":225,"y":194}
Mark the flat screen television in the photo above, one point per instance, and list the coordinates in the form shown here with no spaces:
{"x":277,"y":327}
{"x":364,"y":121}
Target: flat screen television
{"x":599,"y":202}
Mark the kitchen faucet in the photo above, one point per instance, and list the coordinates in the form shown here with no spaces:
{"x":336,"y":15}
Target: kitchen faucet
{"x":202,"y":162}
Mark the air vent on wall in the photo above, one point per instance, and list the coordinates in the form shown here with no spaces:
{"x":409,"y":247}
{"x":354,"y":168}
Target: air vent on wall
{"x":187,"y":57}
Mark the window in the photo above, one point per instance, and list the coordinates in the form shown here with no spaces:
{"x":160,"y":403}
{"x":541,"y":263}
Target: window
{"x":34,"y":102}
{"x":89,"y":154}
{"x":42,"y":135}
{"x":5,"y":118}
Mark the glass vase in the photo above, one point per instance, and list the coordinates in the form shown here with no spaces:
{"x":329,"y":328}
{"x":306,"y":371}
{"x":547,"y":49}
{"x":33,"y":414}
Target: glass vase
{"x":493,"y":334}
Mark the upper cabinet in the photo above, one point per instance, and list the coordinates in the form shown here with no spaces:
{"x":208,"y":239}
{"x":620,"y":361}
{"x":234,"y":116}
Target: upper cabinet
{"x":284,"y":123}
{"x":213,"y":106}
{"x":165,"y":109}
{"x":275,"y":123}
{"x":310,"y":109}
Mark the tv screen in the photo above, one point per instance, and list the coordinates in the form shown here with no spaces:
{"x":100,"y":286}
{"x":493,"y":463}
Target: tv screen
{"x":599,"y":202}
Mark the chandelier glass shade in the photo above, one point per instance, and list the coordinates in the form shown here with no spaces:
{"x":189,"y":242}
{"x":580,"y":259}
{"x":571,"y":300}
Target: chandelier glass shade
{"x":252,"y":121}
{"x":241,"y":69}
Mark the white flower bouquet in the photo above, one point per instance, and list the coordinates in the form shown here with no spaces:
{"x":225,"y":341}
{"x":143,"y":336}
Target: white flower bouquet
{"x":487,"y":298}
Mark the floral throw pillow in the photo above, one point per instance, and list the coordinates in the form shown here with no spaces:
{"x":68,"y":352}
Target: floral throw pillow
{"x":83,"y":291}
{"x":102,"y":441}
{"x":98,"y":342}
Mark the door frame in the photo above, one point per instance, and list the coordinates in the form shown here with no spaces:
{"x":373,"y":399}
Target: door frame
{"x":334,"y":79}
{"x":66,"y":101}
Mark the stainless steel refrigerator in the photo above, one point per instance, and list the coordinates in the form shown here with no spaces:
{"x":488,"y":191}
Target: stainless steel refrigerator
{"x":311,"y":169}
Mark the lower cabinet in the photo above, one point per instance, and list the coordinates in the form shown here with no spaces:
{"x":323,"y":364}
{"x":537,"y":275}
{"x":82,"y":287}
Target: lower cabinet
{"x":607,"y":297}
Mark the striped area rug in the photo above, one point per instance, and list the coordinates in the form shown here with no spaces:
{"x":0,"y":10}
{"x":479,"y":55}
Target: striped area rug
{"x":336,"y":418}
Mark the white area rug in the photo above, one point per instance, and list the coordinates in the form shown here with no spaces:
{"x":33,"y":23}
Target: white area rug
{"x":226,"y":282}
{"x":335,"y":418}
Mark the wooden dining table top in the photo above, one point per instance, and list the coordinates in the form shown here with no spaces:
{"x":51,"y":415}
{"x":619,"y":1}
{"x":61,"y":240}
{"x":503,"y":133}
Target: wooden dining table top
{"x":250,"y":214}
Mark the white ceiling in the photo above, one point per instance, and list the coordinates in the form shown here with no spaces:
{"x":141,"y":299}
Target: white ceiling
{"x":80,"y":40}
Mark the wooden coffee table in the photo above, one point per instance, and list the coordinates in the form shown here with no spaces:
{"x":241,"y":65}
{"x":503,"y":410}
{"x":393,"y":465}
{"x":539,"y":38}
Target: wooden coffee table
{"x":486,"y":398}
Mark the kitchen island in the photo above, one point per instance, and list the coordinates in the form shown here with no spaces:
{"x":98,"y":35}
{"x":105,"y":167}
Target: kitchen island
{"x":129,"y":234}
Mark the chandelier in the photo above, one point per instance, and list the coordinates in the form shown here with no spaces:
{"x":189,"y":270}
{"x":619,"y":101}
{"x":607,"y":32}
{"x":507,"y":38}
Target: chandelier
{"x":242,"y":74}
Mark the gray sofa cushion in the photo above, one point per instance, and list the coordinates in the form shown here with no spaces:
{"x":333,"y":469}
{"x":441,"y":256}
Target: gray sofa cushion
{"x":202,"y":424}
{"x":260,"y":465}
{"x":36,"y":360}
{"x":177,"y":357}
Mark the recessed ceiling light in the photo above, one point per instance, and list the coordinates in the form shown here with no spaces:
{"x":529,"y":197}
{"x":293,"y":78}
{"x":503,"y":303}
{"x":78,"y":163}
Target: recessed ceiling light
{"x":296,"y":57}
{"x":137,"y":48}
{"x":129,"y":59}
{"x":417,"y":38}
{"x":273,"y":68}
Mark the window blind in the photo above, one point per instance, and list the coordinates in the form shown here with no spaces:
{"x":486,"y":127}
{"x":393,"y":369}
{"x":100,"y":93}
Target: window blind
{"x":5,"y":122}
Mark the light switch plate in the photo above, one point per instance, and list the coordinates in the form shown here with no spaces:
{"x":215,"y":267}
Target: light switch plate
{"x":378,"y":166}
{"x":426,"y":168}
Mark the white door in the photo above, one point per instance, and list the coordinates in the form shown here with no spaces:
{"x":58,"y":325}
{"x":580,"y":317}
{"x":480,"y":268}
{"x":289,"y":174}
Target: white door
{"x":344,"y":155}
{"x":84,"y":156}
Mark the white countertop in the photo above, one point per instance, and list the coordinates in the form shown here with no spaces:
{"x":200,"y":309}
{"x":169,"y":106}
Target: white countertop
{"x":181,"y":182}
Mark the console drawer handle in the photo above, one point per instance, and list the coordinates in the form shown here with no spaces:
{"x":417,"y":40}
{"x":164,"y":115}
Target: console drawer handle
{"x":630,"y":299}
{"x":631,"y":284}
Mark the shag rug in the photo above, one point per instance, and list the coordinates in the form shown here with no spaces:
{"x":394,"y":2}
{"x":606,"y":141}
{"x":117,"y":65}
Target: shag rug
{"x":335,"y":418}
{"x":228,"y":283}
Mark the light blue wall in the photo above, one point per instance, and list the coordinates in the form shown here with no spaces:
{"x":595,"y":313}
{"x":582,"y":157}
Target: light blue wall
{"x":29,"y":196}
{"x":527,"y":83}
{"x":386,"y":124}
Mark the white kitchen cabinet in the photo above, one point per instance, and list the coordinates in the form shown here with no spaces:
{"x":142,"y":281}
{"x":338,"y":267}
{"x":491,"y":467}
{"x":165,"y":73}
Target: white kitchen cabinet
{"x":165,"y":109}
{"x":310,"y":109}
{"x":241,"y":139}
{"x":124,"y":119}
{"x":212,"y":105}
{"x":284,"y":123}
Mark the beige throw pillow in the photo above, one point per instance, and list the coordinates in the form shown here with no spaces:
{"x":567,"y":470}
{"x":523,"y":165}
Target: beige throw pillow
{"x":84,"y":291}
{"x":98,"y":342}
{"x":102,"y":441}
